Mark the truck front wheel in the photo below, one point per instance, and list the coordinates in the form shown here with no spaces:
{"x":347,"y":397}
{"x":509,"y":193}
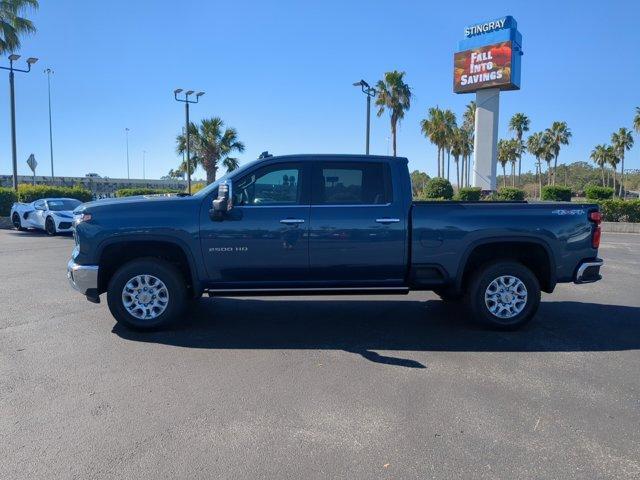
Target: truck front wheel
{"x":146,"y":294}
{"x":504,"y":295}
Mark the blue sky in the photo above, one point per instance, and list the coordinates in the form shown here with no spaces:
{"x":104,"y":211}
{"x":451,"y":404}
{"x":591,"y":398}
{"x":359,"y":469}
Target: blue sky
{"x":281,"y":73}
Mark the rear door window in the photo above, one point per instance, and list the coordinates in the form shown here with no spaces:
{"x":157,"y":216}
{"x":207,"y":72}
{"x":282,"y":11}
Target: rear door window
{"x":351,"y":183}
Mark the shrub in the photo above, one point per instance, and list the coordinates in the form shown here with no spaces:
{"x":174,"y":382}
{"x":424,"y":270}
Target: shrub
{"x":469,"y":194}
{"x":29,"y":193}
{"x":438,"y":188}
{"x":557,"y":193}
{"x":596,"y":192}
{"x":620,"y":210}
{"x":510,"y":194}
{"x":131,"y":192}
{"x":7,"y":198}
{"x":196,"y":187}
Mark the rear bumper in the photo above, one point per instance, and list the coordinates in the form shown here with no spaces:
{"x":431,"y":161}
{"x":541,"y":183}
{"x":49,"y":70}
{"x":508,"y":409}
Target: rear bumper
{"x":588,"y":271}
{"x":84,"y":278}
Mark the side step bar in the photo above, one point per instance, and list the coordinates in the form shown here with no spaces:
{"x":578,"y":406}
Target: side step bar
{"x":260,"y":292}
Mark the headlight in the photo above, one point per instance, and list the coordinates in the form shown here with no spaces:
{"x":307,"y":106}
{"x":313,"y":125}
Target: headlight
{"x":83,"y":217}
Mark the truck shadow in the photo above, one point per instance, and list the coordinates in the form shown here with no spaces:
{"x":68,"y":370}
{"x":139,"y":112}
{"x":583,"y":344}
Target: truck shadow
{"x":364,"y":326}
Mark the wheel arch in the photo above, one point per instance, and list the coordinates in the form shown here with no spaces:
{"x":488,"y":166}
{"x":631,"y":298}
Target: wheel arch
{"x":534,"y":253}
{"x":115,"y":252}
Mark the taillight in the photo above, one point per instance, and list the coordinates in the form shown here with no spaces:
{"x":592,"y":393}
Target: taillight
{"x":596,"y":217}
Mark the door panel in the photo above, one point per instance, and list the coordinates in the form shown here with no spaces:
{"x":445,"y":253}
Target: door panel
{"x":263,"y":240}
{"x":357,"y":233}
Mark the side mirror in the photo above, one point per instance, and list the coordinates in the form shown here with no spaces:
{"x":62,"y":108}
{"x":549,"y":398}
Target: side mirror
{"x":223,"y":203}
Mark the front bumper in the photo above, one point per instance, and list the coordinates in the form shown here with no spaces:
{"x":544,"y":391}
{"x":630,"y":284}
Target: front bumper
{"x":84,"y":278}
{"x":589,"y":271}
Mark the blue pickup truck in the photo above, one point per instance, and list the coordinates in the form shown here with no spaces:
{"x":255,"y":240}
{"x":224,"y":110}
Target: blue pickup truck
{"x":326,"y":224}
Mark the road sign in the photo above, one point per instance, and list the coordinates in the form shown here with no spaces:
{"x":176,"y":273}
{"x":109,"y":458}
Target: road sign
{"x":32,"y":162}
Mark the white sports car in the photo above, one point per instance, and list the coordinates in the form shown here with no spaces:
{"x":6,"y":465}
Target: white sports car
{"x":53,"y":215}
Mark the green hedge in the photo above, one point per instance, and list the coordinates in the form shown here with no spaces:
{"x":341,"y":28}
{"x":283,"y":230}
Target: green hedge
{"x":131,"y":192}
{"x":29,"y":193}
{"x":438,"y":188}
{"x":620,"y":210}
{"x":557,"y":193}
{"x":510,"y":194}
{"x":596,"y":192}
{"x":469,"y":194}
{"x":7,"y":198}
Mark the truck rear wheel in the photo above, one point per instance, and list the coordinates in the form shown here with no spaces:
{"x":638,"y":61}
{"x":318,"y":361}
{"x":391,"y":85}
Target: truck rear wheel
{"x":504,"y":295}
{"x":146,"y":294}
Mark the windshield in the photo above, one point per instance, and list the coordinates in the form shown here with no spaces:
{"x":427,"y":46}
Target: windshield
{"x":60,"y":205}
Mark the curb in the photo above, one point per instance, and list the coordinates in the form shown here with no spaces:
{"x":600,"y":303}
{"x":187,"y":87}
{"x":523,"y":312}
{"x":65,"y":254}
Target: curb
{"x":620,"y":227}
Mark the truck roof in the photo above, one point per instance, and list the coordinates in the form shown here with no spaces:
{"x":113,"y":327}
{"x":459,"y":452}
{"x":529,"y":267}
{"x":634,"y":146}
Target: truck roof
{"x":333,"y":156}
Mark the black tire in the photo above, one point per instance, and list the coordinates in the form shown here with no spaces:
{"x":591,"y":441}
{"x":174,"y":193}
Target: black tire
{"x":483,"y":278}
{"x":163,"y":271}
{"x":15,"y":219}
{"x":50,"y":227}
{"x":448,"y":295}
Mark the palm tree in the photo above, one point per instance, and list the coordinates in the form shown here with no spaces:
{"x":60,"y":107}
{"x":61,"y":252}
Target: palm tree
{"x":613,"y":160}
{"x":457,"y":150}
{"x":469,"y":124}
{"x":559,"y":134}
{"x":599,"y":157}
{"x":519,"y":124}
{"x":450,"y":125}
{"x":636,"y":120}
{"x":467,"y":149}
{"x":621,"y":141}
{"x":536,"y":146}
{"x":13,"y":25}
{"x":395,"y":96}
{"x":434,"y":128}
{"x":503,"y":158}
{"x":212,"y":146}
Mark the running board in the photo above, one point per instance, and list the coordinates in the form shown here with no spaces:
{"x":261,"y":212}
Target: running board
{"x":259,"y":292}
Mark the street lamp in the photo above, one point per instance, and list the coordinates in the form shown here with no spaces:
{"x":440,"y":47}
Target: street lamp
{"x":187,"y":102}
{"x":14,"y":154}
{"x":126,"y":133}
{"x":49,"y":72}
{"x":369,"y":92}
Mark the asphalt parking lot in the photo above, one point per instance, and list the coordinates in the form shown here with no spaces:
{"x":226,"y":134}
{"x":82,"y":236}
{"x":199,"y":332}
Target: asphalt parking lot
{"x":326,"y":387}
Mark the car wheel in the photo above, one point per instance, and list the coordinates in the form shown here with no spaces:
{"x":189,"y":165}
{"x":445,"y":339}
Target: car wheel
{"x":504,"y":295}
{"x":50,"y":226}
{"x":17,"y":224}
{"x":146,"y":294}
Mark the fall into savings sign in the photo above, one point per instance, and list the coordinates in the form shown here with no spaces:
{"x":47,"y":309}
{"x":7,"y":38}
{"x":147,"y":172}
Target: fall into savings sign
{"x":483,"y":67}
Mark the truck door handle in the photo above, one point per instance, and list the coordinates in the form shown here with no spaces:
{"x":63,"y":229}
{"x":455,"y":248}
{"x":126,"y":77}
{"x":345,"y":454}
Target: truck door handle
{"x":291,"y":221}
{"x":387,"y":220}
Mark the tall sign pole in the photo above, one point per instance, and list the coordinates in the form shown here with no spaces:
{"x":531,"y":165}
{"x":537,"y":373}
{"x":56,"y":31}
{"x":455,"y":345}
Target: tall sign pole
{"x":487,"y":61}
{"x":48,"y":71}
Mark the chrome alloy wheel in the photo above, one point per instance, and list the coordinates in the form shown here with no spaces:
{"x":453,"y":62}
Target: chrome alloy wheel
{"x":145,"y":297}
{"x":506,"y":296}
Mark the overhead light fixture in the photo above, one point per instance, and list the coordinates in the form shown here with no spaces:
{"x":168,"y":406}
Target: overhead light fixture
{"x":199,"y":94}
{"x":31,"y":60}
{"x":13,"y":57}
{"x":177,"y":91}
{"x":189,"y":92}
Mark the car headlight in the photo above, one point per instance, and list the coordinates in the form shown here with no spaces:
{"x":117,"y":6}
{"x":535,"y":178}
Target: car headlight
{"x":82,"y":217}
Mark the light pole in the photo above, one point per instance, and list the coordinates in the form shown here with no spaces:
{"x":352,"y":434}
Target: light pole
{"x":48,"y":71}
{"x":126,"y":133}
{"x":144,"y":154}
{"x":14,"y":153}
{"x":369,"y":92}
{"x":186,"y":102}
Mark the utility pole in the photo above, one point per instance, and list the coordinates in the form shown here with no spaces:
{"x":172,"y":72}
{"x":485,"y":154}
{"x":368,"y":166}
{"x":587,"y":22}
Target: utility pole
{"x":369,"y":92}
{"x":48,"y":71}
{"x":12,"y":69}
{"x":187,"y":102}
{"x":126,"y":130}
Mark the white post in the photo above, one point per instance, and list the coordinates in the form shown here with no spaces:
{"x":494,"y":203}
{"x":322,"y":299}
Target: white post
{"x":485,"y":143}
